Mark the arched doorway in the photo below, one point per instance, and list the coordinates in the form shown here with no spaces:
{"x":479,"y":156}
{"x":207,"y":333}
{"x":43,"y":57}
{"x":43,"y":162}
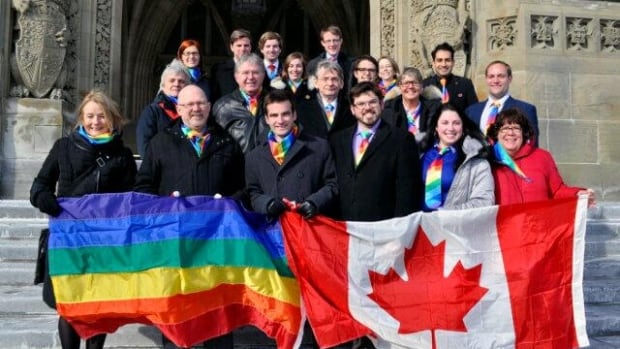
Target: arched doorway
{"x":152,"y":31}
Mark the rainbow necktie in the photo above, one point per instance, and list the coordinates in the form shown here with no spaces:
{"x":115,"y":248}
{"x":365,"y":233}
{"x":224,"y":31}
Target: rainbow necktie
{"x":329,"y":112}
{"x":445,"y":96}
{"x":413,"y":120}
{"x":432,"y":193}
{"x":251,"y":101}
{"x":361,"y":149}
{"x":198,"y":139}
{"x":502,"y":156}
{"x":492,"y":116}
{"x":279,"y":149}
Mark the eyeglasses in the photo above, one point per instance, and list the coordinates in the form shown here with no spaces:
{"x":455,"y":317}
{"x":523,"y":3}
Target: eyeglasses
{"x":372,"y":103}
{"x":332,"y":41}
{"x":366,"y":70}
{"x":191,"y":105}
{"x":410,"y":83}
{"x":506,"y":129}
{"x":188,"y":54}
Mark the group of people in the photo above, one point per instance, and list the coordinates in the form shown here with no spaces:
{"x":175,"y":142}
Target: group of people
{"x":349,"y":139}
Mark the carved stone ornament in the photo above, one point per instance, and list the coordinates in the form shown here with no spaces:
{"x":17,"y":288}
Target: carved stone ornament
{"x":387,"y":27}
{"x":610,"y":35}
{"x":502,"y":33}
{"x":579,"y":33}
{"x":544,"y":31}
{"x":40,"y":50}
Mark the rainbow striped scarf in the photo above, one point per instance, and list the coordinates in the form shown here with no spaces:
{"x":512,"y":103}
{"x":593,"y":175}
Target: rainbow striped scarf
{"x":502,"y":156}
{"x":445,"y":96}
{"x":100,"y":139}
{"x":251,"y":102}
{"x":361,"y":149}
{"x":432,"y":192}
{"x":294,"y":85}
{"x":413,"y":119}
{"x":279,"y":149}
{"x":385,"y":88}
{"x":199,"y":140}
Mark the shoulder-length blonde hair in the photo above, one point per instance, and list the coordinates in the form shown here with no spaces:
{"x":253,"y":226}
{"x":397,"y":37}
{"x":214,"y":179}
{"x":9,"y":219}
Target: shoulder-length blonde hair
{"x":110,"y":109}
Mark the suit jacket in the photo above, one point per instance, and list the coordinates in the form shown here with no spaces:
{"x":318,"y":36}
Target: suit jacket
{"x":223,"y":79}
{"x":461,"y":90}
{"x":307,"y":173}
{"x":394,"y":113}
{"x":474,"y":112}
{"x":311,"y":116}
{"x":387,"y":183}
{"x":344,"y":61}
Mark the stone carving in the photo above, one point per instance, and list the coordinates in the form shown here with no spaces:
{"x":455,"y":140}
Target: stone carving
{"x":610,"y":35}
{"x":37,"y":63}
{"x":545,"y":31}
{"x":434,"y":22}
{"x":579,"y":33}
{"x":103,"y":35}
{"x":387,"y":27}
{"x":502,"y":33}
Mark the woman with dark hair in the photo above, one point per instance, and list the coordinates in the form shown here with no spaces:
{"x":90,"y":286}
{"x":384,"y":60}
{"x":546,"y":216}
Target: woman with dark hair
{"x":189,"y":54}
{"x":522,"y":171}
{"x":455,"y":171}
{"x":293,"y":76}
{"x":92,"y":159}
{"x":364,"y":68}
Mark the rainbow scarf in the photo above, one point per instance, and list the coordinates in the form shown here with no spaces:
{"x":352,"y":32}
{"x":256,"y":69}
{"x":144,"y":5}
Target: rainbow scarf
{"x":386,"y":88}
{"x":445,"y":96}
{"x":198,"y":139}
{"x":293,"y":85}
{"x":279,"y":149}
{"x":502,"y":156}
{"x":329,"y":112}
{"x":492,"y":116}
{"x":363,"y":146}
{"x":413,"y":119}
{"x":194,"y":73}
{"x":179,"y":264}
{"x":251,"y":102}
{"x":101,"y":139}
{"x":432,"y":192}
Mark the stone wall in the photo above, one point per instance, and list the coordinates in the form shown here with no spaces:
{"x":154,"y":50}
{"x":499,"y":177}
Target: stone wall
{"x":565,"y":57}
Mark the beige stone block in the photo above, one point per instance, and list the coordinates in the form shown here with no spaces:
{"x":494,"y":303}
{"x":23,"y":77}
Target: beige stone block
{"x":548,"y":91}
{"x":609,"y":143}
{"x":595,"y":96}
{"x":610,"y":182}
{"x":582,"y":175}
{"x":574,"y":142}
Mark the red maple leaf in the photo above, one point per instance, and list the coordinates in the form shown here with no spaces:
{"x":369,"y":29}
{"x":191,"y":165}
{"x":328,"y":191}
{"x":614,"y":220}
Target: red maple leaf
{"x":428,"y":300}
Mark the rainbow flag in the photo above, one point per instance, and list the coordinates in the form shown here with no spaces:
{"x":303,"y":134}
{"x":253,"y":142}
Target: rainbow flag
{"x":194,"y":267}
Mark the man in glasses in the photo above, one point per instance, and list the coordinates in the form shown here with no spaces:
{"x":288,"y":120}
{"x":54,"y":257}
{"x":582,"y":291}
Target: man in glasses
{"x":331,"y":40}
{"x":498,"y":76}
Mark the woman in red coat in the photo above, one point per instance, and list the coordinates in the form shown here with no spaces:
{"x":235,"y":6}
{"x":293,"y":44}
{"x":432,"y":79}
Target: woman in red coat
{"x":522,"y":171}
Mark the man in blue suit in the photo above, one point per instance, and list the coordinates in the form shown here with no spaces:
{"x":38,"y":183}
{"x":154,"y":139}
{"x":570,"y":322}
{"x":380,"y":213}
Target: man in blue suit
{"x":499,"y":76}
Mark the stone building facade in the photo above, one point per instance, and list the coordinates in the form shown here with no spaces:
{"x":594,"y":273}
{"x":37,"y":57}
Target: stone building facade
{"x":564,"y":55}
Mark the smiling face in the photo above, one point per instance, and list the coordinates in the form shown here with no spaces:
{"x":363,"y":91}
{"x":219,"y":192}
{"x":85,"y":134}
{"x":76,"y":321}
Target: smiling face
{"x":249,"y":77}
{"x":443,"y":63}
{"x":295,"y":69}
{"x":190,"y":57}
{"x":410,"y":88}
{"x":498,"y":80}
{"x":271,"y":50}
{"x":280,"y":118}
{"x":241,"y":47}
{"x":193,"y":107}
{"x":331,"y":43}
{"x":510,"y":136}
{"x":328,"y":83}
{"x":94,"y":120}
{"x":365,"y":71}
{"x":367,"y":109}
{"x":386,"y":70}
{"x":173,"y":83}
{"x":449,"y":128}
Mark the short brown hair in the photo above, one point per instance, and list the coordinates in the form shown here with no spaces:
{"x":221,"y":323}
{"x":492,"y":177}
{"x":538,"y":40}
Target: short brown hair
{"x":508,"y":67}
{"x":279,"y":96}
{"x":289,"y":59}
{"x":240,"y":34}
{"x":269,"y":36}
{"x":334,"y":29}
{"x":512,"y":116}
{"x":364,"y":87}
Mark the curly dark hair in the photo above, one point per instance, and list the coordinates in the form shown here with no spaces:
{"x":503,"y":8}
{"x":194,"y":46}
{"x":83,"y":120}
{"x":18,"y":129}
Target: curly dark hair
{"x":511,"y":116}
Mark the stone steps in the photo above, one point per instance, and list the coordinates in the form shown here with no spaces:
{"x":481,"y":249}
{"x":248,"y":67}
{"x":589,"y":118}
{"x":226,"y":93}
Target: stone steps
{"x":28,"y":323}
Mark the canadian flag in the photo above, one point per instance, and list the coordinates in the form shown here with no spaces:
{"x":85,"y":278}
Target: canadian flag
{"x":495,"y":277}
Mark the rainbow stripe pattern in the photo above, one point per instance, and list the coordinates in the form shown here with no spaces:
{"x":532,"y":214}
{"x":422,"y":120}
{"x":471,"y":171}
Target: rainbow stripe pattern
{"x":280,"y":149}
{"x":194,"y":267}
{"x":502,"y":156}
{"x":445,"y":96}
{"x":251,"y":102}
{"x":432,"y":192}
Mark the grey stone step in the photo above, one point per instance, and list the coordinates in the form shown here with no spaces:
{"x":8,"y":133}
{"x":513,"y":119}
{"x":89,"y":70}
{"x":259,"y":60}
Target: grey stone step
{"x":17,"y":273}
{"x":19,"y":209}
{"x":605,"y":210}
{"x":600,"y":249}
{"x":602,"y":291}
{"x":603,"y":320}
{"x":25,"y":300}
{"x":602,"y":268}
{"x":607,"y":342}
{"x":21,"y":228}
{"x":18,"y":250}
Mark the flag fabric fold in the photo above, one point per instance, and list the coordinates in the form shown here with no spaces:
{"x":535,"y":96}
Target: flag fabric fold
{"x":496,"y":277}
{"x":194,"y":267}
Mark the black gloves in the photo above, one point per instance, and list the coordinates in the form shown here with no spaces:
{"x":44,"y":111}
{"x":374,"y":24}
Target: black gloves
{"x":275,"y":207}
{"x":307,"y":209}
{"x":46,"y":202}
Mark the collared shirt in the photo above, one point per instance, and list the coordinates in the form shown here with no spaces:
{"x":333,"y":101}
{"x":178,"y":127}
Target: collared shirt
{"x":487,"y":110}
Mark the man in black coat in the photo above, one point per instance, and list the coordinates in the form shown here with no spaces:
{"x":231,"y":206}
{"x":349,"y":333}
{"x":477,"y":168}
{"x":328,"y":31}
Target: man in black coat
{"x":222,"y":74}
{"x":327,"y":110}
{"x":289,"y":164}
{"x":331,"y":40}
{"x":378,"y":168}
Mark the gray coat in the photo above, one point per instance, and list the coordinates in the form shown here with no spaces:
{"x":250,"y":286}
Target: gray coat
{"x":473,"y":184}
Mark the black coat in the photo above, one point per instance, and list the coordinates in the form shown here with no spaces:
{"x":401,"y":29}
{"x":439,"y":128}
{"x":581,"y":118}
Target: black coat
{"x":461,"y":90}
{"x":387,"y":182}
{"x":231,"y":113}
{"x":311,"y":116}
{"x":223,"y":79}
{"x":171,"y":164}
{"x":308,"y":173}
{"x":156,"y":117}
{"x":394,"y":113}
{"x":344,"y":61}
